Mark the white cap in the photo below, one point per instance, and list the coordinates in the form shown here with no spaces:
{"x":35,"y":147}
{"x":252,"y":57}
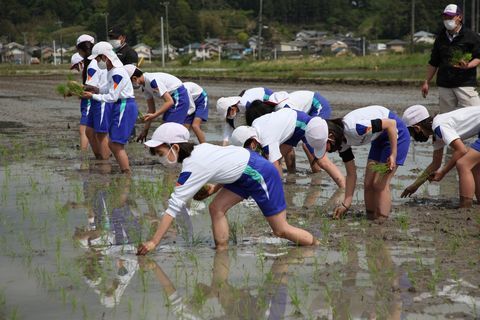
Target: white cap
{"x":226,"y":102}
{"x":241,"y":134}
{"x":278,"y":97}
{"x":106,"y":49}
{"x":414,"y":115}
{"x":316,"y":134}
{"x":452,"y":10}
{"x":170,"y":132}
{"x":76,"y":58}
{"x":85,"y":38}
{"x":130,"y":69}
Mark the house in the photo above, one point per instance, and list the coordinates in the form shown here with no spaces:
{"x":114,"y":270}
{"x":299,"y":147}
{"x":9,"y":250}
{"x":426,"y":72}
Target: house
{"x":292,"y":46}
{"x":333,"y":46}
{"x":233,"y":48}
{"x":424,"y":37}
{"x":253,"y":42}
{"x":310,"y":35}
{"x":397,"y":46}
{"x":199,"y":51}
{"x":143,"y":51}
{"x":172,"y":52}
{"x":377,"y":47}
{"x":15,"y":53}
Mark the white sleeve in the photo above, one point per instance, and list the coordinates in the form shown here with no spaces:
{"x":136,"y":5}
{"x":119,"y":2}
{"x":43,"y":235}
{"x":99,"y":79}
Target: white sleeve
{"x":444,"y":135}
{"x":189,"y":182}
{"x":273,"y":150}
{"x":227,"y":132}
{"x":119,"y":83}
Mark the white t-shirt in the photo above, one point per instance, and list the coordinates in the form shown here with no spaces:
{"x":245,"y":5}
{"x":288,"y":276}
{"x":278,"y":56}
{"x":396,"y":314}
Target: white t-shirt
{"x":275,"y":128}
{"x":194,"y":91}
{"x":358,"y":125}
{"x":118,"y":86}
{"x":208,"y":163}
{"x":156,"y":84}
{"x":461,"y":123}
{"x":95,"y":76}
{"x":251,"y":95}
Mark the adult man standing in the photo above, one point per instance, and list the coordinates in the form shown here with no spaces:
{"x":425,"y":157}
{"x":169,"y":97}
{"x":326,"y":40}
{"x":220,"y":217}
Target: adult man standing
{"x":455,"y":55}
{"x":118,"y":40}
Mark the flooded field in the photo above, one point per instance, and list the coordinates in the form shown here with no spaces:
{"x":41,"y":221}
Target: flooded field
{"x":69,"y":227}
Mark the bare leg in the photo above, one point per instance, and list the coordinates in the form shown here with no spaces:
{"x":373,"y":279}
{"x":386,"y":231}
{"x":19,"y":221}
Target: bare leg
{"x":382,"y":195}
{"x":103,"y":146}
{"x":121,"y":156}
{"x":92,"y":139}
{"x":288,"y":154}
{"x":476,"y":177}
{"x":197,"y":122}
{"x":83,"y":137}
{"x":282,"y":229}
{"x":368,"y":191}
{"x":466,"y":167}
{"x":223,"y":201}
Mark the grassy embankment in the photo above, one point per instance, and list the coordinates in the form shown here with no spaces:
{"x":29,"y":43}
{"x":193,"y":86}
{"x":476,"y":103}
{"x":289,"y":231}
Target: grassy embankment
{"x":387,"y":69}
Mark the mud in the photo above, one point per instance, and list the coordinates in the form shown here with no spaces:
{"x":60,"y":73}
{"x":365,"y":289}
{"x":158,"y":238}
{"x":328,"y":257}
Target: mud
{"x":423,"y":263}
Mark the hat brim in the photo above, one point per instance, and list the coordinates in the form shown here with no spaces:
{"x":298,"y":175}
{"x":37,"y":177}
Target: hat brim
{"x":450,"y":14}
{"x":320,"y":153}
{"x":153,"y":143}
{"x":92,"y":56}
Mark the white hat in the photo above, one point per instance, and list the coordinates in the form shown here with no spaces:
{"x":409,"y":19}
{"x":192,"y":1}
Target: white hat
{"x":241,"y":134}
{"x":279,"y":97}
{"x":85,"y":38}
{"x":316,"y":134}
{"x":130,"y":69}
{"x":452,"y":10}
{"x":76,"y":59}
{"x":414,"y":115}
{"x":226,"y":102}
{"x":170,"y":132}
{"x":106,"y":49}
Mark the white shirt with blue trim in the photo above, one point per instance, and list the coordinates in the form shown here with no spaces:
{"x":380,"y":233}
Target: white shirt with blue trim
{"x":118,"y":86}
{"x":158,"y":83}
{"x":461,"y":123}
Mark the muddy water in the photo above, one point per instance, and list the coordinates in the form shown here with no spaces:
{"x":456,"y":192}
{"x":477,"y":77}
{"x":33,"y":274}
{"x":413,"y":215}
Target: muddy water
{"x":69,"y":226}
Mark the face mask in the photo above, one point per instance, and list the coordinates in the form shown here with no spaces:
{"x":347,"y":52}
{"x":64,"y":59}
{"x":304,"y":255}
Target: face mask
{"x":102,"y":65}
{"x":450,"y":24}
{"x":167,"y":162}
{"x":420,"y":137}
{"x":115,"y":44}
{"x":136,"y":85}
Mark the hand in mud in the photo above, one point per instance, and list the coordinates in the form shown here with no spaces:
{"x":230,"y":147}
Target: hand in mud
{"x":149,"y":117}
{"x":142,"y":137}
{"x":409,"y":191}
{"x":339,"y":211}
{"x":436,"y":176}
{"x":87,"y":95}
{"x":205,"y":192}
{"x":392,"y":162}
{"x":145,"y":248}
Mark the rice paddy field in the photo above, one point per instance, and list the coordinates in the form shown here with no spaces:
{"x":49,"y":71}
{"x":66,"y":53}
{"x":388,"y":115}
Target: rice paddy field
{"x":70,"y":225}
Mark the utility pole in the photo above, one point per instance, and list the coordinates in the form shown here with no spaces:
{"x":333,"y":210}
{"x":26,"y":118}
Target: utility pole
{"x":165,"y":4}
{"x":260,"y":27}
{"x":59,"y":22}
{"x":106,"y":25}
{"x":412,"y":27}
{"x":163,"y":43}
{"x":24,"y":48}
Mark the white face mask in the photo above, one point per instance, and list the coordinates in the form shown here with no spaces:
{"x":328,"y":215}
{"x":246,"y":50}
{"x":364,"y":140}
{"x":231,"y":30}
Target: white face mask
{"x":136,"y":85}
{"x":102,"y":65}
{"x":167,"y":162}
{"x":115,"y":43}
{"x":450,"y":24}
{"x":231,"y":115}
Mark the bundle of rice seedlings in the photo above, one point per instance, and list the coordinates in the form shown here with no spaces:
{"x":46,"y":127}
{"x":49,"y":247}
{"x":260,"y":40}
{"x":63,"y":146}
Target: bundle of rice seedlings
{"x":459,"y":56}
{"x":141,"y":115}
{"x":423,"y":177}
{"x":71,"y":88}
{"x":381,"y":168}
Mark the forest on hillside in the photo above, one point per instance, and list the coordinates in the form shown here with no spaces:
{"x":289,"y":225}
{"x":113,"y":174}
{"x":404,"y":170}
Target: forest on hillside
{"x":37,"y":21}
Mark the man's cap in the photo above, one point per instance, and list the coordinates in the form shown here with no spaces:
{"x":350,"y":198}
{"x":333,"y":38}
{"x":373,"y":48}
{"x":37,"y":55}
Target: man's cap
{"x":226,"y":102}
{"x":106,"y":49}
{"x":115,"y":32}
{"x":316,"y":134}
{"x":170,"y":132}
{"x":241,"y":134}
{"x":452,"y":10}
{"x":76,"y":59}
{"x":85,"y":38}
{"x":414,"y":115}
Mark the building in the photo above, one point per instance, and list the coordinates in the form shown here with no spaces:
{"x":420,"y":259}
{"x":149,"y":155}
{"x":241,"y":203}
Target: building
{"x":144,"y":51}
{"x":423,"y":37}
{"x":397,"y":46}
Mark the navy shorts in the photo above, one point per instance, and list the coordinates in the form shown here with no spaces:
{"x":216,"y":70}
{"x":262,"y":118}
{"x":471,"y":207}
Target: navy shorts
{"x":179,"y":111}
{"x":380,"y":147}
{"x":201,"y":109}
{"x":299,"y":133}
{"x":261,"y":181}
{"x":121,"y":117}
{"x":84,"y":110}
{"x":320,"y":107}
{"x":96,"y":117}
{"x":476,"y":145}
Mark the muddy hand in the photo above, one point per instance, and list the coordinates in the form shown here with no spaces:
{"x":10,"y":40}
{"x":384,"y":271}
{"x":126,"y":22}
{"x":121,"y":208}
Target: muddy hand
{"x":408,"y":191}
{"x":204,"y":192}
{"x":339,"y":211}
{"x":142,"y":137}
{"x":436,"y":176}
{"x":149,"y":117}
{"x":145,"y":248}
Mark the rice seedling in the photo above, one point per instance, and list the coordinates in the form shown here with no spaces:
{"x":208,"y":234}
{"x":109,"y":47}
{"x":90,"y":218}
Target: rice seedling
{"x":459,"y":56}
{"x":295,"y":300}
{"x":381,"y":168}
{"x":402,"y":220}
{"x":69,"y":88}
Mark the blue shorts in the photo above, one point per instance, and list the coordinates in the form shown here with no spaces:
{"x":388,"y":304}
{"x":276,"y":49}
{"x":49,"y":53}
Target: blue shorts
{"x":201,"y":109}
{"x":261,"y":181}
{"x":121,"y":117}
{"x":84,"y":110}
{"x":320,"y":107}
{"x":380,"y":147}
{"x":181,"y":102}
{"x":96,"y":117}
{"x":476,"y":145}
{"x":299,"y":133}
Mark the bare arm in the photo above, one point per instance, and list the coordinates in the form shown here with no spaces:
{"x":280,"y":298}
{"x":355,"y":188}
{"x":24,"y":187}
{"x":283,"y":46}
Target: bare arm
{"x":459,"y":150}
{"x":432,"y":167}
{"x":164,"y":108}
{"x":391,"y":127}
{"x":351,"y":181}
{"x":431,"y":71}
{"x":162,"y":228}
